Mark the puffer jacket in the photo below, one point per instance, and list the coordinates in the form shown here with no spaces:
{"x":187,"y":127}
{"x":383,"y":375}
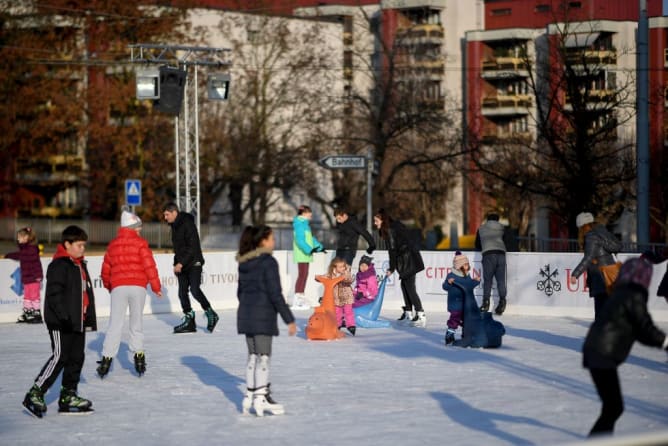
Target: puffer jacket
{"x":185,"y":240}
{"x":599,"y":245}
{"x":457,"y":291}
{"x":366,"y":283}
{"x":259,"y":293}
{"x":623,"y":321}
{"x":129,"y":261}
{"x":31,"y":265}
{"x":64,"y":296}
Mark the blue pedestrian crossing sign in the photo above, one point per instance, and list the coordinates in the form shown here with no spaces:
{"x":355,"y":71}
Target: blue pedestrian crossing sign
{"x":133,"y":192}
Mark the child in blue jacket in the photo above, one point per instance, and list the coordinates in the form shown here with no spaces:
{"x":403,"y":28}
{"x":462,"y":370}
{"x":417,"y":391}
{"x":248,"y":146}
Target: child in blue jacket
{"x":458,"y":283}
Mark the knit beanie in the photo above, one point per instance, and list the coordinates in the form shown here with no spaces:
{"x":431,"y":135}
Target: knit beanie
{"x":130,"y":220}
{"x":367,"y":260}
{"x":459,"y":260}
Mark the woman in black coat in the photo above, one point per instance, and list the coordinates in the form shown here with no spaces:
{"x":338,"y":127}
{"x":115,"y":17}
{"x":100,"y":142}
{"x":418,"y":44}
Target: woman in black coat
{"x":623,"y":320}
{"x":406,"y":260}
{"x":260,"y":301}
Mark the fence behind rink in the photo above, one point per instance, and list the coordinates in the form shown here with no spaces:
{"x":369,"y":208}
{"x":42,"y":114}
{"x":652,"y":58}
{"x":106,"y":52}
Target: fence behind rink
{"x":538,"y":283}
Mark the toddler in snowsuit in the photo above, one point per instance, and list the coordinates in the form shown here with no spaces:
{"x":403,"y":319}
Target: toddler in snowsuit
{"x":366,"y":283}
{"x":458,"y":285}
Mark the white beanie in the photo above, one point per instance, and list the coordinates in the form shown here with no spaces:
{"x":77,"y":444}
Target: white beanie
{"x":130,"y":220}
{"x":583,"y":218}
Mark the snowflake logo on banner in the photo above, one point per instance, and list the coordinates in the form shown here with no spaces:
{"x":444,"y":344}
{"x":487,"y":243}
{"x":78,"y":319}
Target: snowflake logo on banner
{"x":549,"y":284}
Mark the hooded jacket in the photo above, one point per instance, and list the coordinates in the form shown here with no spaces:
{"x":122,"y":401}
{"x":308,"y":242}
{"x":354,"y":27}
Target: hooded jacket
{"x":185,"y":240}
{"x":260,"y":296}
{"x":129,"y":261}
{"x":366,"y":283}
{"x":303,"y":241}
{"x":64,"y":297}
{"x":404,"y":256}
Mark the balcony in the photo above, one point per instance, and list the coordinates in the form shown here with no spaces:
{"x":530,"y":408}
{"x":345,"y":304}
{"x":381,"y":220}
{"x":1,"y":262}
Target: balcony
{"x":517,"y":104}
{"x":592,"y":57}
{"x":54,"y":169}
{"x":504,"y":67}
{"x":506,"y":138}
{"x":596,"y":99}
{"x":347,"y":38}
{"x":420,"y":34}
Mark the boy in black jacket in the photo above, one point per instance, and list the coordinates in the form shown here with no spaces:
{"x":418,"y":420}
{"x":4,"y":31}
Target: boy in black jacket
{"x":69,"y":309}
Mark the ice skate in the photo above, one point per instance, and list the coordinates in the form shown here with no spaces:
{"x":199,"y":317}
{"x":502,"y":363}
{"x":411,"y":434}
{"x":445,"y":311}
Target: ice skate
{"x":263,"y":402}
{"x":405,"y":317}
{"x":140,"y":363}
{"x":187,"y":325}
{"x":211,"y":319}
{"x":247,"y":402}
{"x":71,"y":403}
{"x":419,"y":320}
{"x":449,"y":336}
{"x":500,"y":307}
{"x":36,"y":317}
{"x":484,"y":307}
{"x":26,"y":317}
{"x":105,"y":365}
{"x":352,"y":329}
{"x":34,"y":402}
{"x":299,"y":302}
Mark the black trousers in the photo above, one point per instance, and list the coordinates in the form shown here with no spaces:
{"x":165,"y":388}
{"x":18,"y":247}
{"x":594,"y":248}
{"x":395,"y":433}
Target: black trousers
{"x":191,"y":279}
{"x":346,"y":254}
{"x":411,"y":298}
{"x":610,"y":392}
{"x":67,"y":356}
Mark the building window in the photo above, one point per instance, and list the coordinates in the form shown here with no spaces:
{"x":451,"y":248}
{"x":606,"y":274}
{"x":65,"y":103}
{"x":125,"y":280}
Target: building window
{"x":501,"y":11}
{"x":542,"y":8}
{"x":575,"y":5}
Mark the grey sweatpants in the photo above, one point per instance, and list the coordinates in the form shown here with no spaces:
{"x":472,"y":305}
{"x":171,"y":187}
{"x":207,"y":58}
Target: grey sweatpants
{"x":122,"y":298}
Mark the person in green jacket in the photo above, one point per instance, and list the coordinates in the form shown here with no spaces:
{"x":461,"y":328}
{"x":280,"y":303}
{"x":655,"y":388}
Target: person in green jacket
{"x":304,"y":244}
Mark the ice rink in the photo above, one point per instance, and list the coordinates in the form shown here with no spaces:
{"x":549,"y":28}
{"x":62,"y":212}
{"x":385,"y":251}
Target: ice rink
{"x":394,"y":386}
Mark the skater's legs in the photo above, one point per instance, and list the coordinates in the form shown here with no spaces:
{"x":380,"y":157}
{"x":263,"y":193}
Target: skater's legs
{"x":118,"y":307}
{"x":609,"y":390}
{"x":137,"y":299}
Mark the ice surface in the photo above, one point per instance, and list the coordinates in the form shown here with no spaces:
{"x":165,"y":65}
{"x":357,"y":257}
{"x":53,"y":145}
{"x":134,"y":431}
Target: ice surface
{"x":394,"y":386}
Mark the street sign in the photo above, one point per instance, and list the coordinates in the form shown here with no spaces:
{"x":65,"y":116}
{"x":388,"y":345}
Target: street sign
{"x":133,"y":192}
{"x":344,"y":162}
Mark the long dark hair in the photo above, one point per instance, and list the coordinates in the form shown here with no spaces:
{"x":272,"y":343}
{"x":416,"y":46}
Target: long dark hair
{"x":385,"y":219}
{"x":252,"y":236}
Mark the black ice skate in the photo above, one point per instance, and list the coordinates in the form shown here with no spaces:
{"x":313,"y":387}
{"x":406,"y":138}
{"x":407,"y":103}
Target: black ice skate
{"x":34,"y":402}
{"x":26,"y":317}
{"x":352,"y":329}
{"x":188,"y":324}
{"x":36,"y":317}
{"x":484,"y":307}
{"x":500,"y":307}
{"x":140,"y":363}
{"x":71,"y":403}
{"x":211,"y":319}
{"x":105,"y":365}
{"x":449,"y":336}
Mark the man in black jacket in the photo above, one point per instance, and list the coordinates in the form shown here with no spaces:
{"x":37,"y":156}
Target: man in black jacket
{"x":188,"y":262}
{"x":350,"y":230}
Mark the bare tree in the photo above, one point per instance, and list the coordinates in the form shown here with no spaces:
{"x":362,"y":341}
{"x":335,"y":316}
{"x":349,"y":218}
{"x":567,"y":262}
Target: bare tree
{"x":581,"y":157}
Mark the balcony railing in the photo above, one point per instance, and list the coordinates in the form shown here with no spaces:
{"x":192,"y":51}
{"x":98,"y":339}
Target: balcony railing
{"x":505,"y":64}
{"x":431,"y":33}
{"x":594,"y":57}
{"x":506,"y":138}
{"x":517,"y":100}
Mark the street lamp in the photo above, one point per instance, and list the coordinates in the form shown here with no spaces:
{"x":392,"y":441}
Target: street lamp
{"x":218,"y":86}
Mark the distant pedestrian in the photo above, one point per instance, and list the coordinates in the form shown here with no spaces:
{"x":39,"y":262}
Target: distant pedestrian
{"x":127,"y":268}
{"x":489,"y":240}
{"x":350,"y":230}
{"x":406,"y":260}
{"x":69,"y":310}
{"x":31,"y":274}
{"x":260,"y":301}
{"x":599,"y":245}
{"x":621,"y":321}
{"x":304,"y":244}
{"x":188,"y":263}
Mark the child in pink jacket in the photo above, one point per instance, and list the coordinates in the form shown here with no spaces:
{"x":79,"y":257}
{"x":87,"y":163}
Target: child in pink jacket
{"x":366,"y":283}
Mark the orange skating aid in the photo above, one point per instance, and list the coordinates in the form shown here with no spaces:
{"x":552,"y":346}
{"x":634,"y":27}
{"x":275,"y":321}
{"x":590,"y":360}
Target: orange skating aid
{"x":322,"y":324}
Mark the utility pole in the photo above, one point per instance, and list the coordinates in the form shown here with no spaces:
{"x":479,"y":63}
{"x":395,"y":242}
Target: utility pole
{"x":186,"y":123}
{"x":642,"y":128}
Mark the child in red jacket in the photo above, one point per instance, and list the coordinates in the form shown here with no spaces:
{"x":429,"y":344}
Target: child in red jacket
{"x":127,"y":267}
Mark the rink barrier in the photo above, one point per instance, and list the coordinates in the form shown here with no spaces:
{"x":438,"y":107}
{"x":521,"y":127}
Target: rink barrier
{"x":538,"y":284}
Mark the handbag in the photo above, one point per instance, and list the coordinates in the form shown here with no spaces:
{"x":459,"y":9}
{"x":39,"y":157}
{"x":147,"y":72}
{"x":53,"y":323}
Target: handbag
{"x":610,"y":273}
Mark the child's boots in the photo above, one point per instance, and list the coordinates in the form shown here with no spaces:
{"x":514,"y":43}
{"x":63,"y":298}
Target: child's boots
{"x":262,"y":401}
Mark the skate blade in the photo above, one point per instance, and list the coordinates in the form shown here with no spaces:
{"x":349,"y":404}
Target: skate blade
{"x":76,"y":411}
{"x":36,"y":414}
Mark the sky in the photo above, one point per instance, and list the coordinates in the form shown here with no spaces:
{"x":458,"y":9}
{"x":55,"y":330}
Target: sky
{"x":394,"y":385}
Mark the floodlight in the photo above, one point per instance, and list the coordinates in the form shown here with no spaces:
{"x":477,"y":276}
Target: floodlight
{"x":218,"y":86}
{"x":148,"y":83}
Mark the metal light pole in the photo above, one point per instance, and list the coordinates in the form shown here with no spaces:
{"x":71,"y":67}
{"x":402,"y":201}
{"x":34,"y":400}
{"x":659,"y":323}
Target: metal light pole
{"x":642,"y":128}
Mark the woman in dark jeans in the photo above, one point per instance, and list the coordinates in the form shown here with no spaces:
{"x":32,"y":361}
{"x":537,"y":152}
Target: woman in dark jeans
{"x":406,"y":260}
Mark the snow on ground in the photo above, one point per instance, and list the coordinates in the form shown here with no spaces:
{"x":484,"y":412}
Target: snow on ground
{"x":382,"y":387}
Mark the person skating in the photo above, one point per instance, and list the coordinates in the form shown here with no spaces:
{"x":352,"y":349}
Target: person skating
{"x":260,"y":301}
{"x":127,"y":267}
{"x":69,"y":310}
{"x":489,"y":240}
{"x":304,"y":244}
{"x":188,"y":263}
{"x":31,"y":274}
